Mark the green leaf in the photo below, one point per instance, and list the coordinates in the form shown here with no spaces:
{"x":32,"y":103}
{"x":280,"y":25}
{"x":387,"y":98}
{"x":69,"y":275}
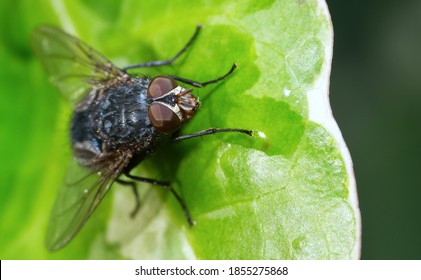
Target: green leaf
{"x":288,"y":192}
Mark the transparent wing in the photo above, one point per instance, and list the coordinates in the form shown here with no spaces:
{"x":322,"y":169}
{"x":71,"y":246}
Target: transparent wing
{"x":73,"y":66}
{"x":79,"y":196}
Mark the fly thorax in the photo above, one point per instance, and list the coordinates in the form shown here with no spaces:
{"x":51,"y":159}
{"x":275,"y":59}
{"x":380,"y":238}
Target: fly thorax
{"x":121,"y":116}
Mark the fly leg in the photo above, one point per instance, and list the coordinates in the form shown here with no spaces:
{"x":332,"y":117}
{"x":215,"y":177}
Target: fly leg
{"x":136,"y":194}
{"x":199,"y":84}
{"x":210,"y":131}
{"x":167,"y":186}
{"x":165,"y":62}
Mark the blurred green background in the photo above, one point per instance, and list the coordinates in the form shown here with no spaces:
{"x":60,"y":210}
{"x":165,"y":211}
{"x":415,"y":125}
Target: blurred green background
{"x":375,"y":97}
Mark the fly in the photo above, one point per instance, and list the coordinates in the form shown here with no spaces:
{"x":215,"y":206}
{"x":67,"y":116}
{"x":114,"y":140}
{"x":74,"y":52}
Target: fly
{"x":118,"y":120}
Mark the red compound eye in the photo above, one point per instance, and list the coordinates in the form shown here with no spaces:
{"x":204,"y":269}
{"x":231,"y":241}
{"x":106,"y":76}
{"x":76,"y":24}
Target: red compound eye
{"x":163,"y":118}
{"x":160,"y":86}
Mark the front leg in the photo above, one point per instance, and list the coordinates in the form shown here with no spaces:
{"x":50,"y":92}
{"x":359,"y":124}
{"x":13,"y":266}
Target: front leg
{"x":210,"y":131}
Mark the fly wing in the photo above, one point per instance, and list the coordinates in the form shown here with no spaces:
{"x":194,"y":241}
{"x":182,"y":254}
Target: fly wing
{"x":79,"y":196}
{"x":73,"y":66}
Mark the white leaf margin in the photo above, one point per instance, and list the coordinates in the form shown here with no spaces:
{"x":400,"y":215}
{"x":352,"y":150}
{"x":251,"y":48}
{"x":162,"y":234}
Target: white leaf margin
{"x":320,"y":112}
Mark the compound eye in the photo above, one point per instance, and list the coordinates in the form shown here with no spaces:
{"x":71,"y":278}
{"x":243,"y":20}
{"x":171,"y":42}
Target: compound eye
{"x":161,"y":85}
{"x":163,"y":118}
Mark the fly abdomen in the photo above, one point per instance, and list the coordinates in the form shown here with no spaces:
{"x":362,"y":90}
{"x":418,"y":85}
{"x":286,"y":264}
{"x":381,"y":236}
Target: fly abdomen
{"x":86,"y":146}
